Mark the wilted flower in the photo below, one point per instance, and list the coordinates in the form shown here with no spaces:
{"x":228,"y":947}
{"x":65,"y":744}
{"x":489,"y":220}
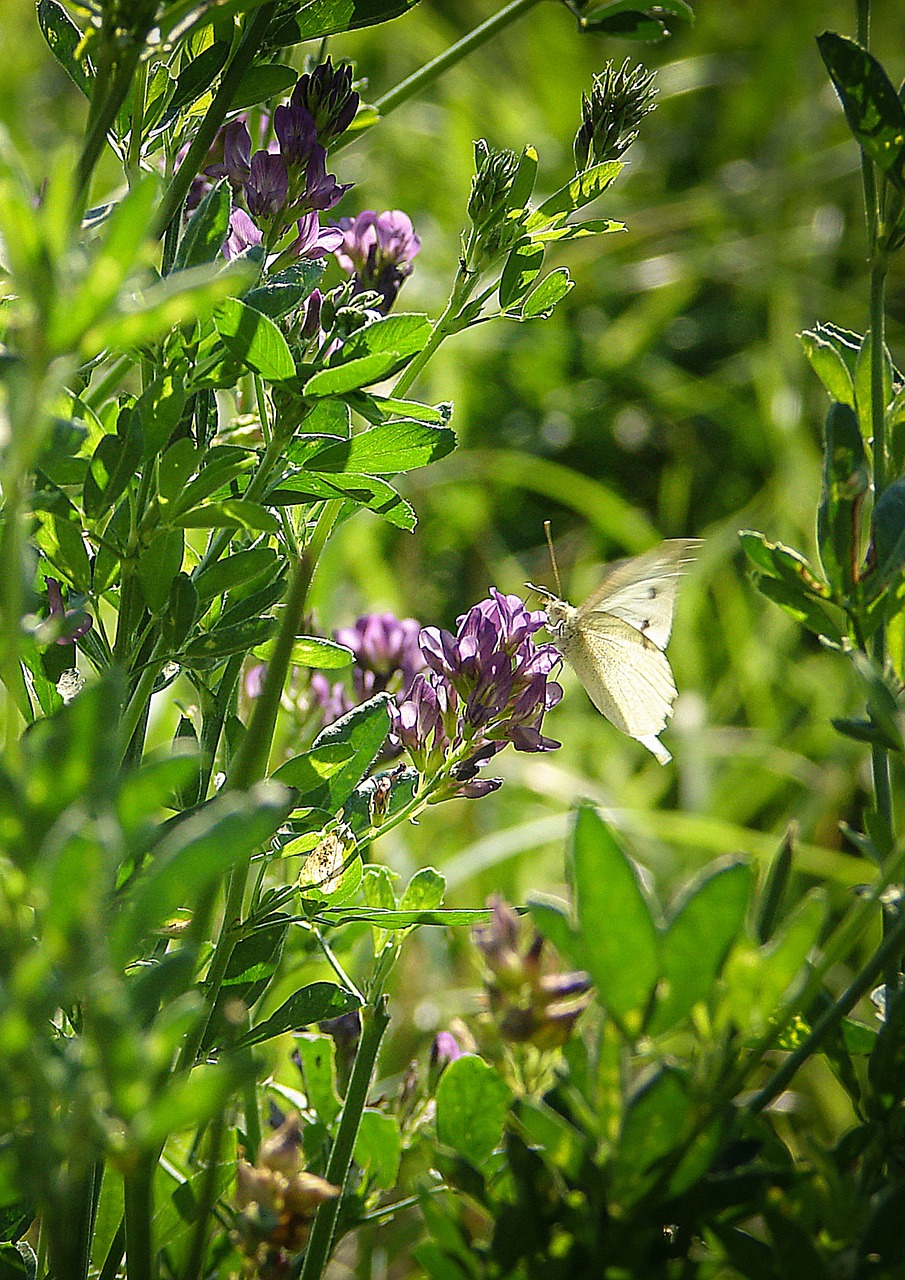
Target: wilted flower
{"x":327,"y":94}
{"x":277,"y":1201}
{"x":74,"y":623}
{"x":378,"y":250}
{"x":619,"y":101}
{"x":528,"y":1004}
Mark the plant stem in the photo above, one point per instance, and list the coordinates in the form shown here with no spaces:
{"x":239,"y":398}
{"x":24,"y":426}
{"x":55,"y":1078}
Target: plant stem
{"x":100,"y":123}
{"x":242,"y":59}
{"x":139,"y":1213}
{"x":432,"y":70}
{"x":457,"y":298}
{"x":133,"y":158}
{"x":375,"y":1021}
{"x":830,"y":1019}
{"x":206,"y":1200}
{"x":250,"y":762}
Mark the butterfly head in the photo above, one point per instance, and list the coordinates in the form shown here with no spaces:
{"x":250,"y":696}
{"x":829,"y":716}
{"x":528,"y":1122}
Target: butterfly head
{"x":558,"y":611}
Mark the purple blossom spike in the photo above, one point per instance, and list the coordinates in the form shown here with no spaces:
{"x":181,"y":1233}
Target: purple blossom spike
{"x":378,"y":251}
{"x":327,"y":94}
{"x":384,"y":646}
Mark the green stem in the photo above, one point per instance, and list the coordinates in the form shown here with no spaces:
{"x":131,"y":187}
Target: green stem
{"x":888,"y":950}
{"x":250,"y":762}
{"x":110,"y":1269}
{"x":441,"y":330}
{"x":375,"y":1021}
{"x":108,"y":384}
{"x":242,"y":59}
{"x":206,"y":1201}
{"x":432,"y":70}
{"x":133,"y":159}
{"x":139,"y":1214}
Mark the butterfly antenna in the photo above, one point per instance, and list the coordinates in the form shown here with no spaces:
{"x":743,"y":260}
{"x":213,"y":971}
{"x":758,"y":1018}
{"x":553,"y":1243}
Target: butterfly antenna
{"x":552,"y":556}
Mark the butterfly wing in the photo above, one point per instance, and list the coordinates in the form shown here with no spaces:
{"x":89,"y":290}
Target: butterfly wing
{"x":625,"y":674}
{"x":642,"y":591}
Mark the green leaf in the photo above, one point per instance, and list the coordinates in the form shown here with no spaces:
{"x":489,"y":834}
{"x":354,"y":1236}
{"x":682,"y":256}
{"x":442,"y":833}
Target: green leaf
{"x":197,"y":77}
{"x":521,"y":270}
{"x":820,"y":617}
{"x":223,"y":641}
{"x":542,"y":300}
{"x":239,"y":568}
{"x":186,"y":296}
{"x":630,"y":20}
{"x":618,"y":940}
{"x":158,"y":410}
{"x":312,"y":651}
{"x":759,"y":979}
{"x":158,"y":564}
{"x":385,"y":450}
{"x":364,"y":491}
{"x":314,"y":19}
{"x":309,"y":771}
{"x":826,"y":352}
{"x":261,"y":83}
{"x":888,"y":531}
{"x":364,"y":729}
{"x":207,"y":228}
{"x":250,"y":337}
{"x":113,"y":465}
{"x":197,"y":853}
{"x":472,"y":1104}
{"x":424,"y":892}
{"x":176,"y":467}
{"x":378,"y":1148}
{"x":285,"y":290}
{"x":378,"y":408}
{"x":386,"y":918}
{"x":697,"y":940}
{"x":63,"y":37}
{"x":231,"y":513}
{"x":583,"y":188}
{"x":124,"y":235}
{"x":317,"y":1063}
{"x":314,"y":1003}
{"x":222,"y":464}
{"x":845,"y":482}
{"x":370,"y":354}
{"x":872,"y":108}
{"x":655,"y":1122}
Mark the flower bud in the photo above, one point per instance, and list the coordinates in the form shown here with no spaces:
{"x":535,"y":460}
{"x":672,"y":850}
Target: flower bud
{"x":491,"y":185}
{"x":619,"y":101}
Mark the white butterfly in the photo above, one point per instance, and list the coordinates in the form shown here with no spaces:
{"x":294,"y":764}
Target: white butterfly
{"x":615,"y":641}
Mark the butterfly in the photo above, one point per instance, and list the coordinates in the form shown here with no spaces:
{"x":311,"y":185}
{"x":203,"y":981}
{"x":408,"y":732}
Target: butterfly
{"x":615,"y":641}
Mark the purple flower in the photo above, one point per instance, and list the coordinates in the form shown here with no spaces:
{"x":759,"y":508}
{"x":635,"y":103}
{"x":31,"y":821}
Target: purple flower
{"x":73,"y":622}
{"x":321,"y":191}
{"x":332,"y":699}
{"x":315,"y":241}
{"x":379,"y":251}
{"x":297,"y":134}
{"x":235,"y":142}
{"x":384,"y":646}
{"x":243,"y":235}
{"x":418,"y":723}
{"x":267,"y":186}
{"x":327,"y":94}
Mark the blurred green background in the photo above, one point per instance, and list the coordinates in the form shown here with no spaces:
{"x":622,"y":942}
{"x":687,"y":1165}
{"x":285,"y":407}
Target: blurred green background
{"x":668,"y":396}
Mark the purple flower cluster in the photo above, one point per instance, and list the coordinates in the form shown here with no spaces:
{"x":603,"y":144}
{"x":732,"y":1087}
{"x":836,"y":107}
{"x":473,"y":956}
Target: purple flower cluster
{"x":487,"y":686}
{"x":288,"y":181}
{"x":378,"y":251}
